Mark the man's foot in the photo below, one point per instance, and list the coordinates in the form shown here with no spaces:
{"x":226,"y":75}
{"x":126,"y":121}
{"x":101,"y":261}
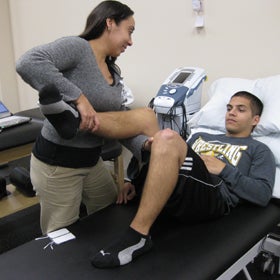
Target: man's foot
{"x":123,"y":251}
{"x":62,"y":116}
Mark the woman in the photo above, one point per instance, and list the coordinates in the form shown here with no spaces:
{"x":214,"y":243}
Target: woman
{"x":65,"y":172}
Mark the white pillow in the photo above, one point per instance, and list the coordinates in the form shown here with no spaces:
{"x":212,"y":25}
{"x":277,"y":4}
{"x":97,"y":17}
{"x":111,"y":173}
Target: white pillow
{"x":267,"y":89}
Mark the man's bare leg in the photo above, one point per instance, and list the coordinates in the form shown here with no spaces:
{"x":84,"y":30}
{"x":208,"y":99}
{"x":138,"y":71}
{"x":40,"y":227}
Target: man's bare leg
{"x":117,"y":125}
{"x":124,"y":124}
{"x":167,"y":155}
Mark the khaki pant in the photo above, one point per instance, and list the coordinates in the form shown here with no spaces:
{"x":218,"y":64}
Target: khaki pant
{"x":61,"y":191}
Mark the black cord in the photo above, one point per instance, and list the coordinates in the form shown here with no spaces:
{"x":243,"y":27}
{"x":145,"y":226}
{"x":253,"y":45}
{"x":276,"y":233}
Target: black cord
{"x":170,"y":117}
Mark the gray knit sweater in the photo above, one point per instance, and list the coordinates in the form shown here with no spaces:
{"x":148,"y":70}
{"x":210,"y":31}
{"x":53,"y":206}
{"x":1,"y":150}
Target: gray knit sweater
{"x":70,"y":64}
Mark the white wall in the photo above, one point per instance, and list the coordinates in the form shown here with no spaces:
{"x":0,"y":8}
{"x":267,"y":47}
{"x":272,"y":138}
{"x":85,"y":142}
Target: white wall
{"x":8,"y":83}
{"x":240,"y":39}
{"x":37,"y":22}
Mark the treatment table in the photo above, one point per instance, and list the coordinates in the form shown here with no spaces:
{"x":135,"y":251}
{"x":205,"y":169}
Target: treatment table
{"x":216,"y":249}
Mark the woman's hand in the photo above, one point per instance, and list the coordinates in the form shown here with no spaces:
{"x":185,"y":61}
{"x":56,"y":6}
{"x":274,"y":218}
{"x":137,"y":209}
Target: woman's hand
{"x":89,"y":119}
{"x":126,"y":193}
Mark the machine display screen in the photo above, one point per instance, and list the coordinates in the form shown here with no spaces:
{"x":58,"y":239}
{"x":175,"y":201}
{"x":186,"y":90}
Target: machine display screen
{"x":181,"y":77}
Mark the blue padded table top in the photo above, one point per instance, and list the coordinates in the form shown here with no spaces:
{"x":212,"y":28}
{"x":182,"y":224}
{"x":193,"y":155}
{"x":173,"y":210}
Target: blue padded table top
{"x":198,"y":251}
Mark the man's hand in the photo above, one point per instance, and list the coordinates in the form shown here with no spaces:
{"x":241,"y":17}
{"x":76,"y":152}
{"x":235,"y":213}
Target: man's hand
{"x":89,"y":119}
{"x":126,"y":193}
{"x":214,"y":165}
{"x":148,"y":144}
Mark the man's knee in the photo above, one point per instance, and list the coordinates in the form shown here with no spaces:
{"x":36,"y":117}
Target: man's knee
{"x":169,"y":142}
{"x":166,"y":138}
{"x":166,"y":135}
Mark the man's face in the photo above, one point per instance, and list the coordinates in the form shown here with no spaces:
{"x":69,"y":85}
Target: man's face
{"x":239,"y":117}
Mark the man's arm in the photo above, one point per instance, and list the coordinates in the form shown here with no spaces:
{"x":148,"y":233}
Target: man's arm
{"x":257,"y":186}
{"x":253,"y":180}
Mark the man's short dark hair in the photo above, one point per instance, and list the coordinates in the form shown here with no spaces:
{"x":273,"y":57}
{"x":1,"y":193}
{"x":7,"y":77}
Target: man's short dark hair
{"x":255,"y":102}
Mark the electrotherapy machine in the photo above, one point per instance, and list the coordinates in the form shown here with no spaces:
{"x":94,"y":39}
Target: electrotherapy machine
{"x":178,"y":98}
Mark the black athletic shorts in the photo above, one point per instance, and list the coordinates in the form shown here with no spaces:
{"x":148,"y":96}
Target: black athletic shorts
{"x":197,"y":193}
